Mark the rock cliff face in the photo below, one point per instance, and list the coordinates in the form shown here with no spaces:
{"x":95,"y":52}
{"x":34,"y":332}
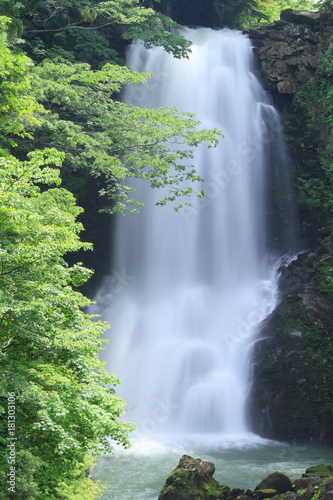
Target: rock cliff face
{"x":292,"y":391}
{"x":289,"y":49}
{"x":289,"y":52}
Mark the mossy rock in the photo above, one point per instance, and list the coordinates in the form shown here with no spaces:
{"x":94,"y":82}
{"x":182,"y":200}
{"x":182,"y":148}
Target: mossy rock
{"x":309,"y":484}
{"x":325,"y":490}
{"x":214,"y":490}
{"x":192,"y":480}
{"x":276,"y":481}
{"x":266,"y":493}
{"x":319,"y":470}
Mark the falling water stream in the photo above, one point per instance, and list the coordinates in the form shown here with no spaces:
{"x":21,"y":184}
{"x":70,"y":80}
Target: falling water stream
{"x":187,"y":290}
{"x":197,"y":282}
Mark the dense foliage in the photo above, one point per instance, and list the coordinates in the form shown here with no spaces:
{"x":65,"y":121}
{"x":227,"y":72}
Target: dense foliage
{"x":18,"y":106}
{"x":65,"y":404}
{"x":66,"y":28}
{"x":269,"y":11}
{"x":315,"y":108}
{"x":58,"y":404}
{"x":112,"y":139}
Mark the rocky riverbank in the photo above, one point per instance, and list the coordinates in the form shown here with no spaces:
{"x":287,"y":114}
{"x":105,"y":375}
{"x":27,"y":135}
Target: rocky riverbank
{"x":193,"y":480}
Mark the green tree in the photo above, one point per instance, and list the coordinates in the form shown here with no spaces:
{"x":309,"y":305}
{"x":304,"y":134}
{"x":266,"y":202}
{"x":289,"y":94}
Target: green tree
{"x":66,"y":406}
{"x":88,"y":25}
{"x":268,"y":11}
{"x":18,"y":107}
{"x":273,"y":8}
{"x":112,"y":139}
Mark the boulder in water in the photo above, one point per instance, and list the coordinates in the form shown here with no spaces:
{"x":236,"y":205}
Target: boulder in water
{"x":276,"y":481}
{"x":192,"y":480}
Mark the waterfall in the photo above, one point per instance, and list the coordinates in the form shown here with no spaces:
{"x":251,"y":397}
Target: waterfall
{"x":187,"y":290}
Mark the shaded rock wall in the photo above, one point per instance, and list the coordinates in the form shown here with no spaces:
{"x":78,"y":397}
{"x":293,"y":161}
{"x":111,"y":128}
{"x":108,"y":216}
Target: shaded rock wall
{"x":290,"y":52}
{"x":292,"y":391}
{"x":289,"y":49}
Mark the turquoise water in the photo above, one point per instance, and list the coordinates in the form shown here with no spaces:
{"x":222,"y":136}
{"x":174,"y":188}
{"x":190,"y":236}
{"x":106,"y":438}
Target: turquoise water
{"x":139,"y":473}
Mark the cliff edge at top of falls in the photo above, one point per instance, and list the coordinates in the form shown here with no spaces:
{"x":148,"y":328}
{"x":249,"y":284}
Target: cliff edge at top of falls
{"x":289,"y":49}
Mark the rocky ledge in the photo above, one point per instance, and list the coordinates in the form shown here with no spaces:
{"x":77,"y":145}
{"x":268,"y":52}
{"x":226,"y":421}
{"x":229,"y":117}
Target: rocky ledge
{"x":192,"y":480}
{"x":292,"y":390}
{"x":289,"y":49}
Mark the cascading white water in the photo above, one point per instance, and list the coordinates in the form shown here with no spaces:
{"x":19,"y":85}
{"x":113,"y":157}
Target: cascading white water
{"x":188,"y":290}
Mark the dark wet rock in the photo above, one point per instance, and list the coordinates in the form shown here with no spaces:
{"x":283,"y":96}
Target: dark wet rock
{"x":307,"y":482}
{"x":289,"y":49}
{"x":235,"y":493}
{"x":247,"y":495}
{"x":308,"y":486}
{"x":266,"y":493}
{"x":251,"y":494}
{"x":289,"y":496}
{"x":292,"y":391}
{"x":276,"y":481}
{"x":300,"y":16}
{"x":323,"y":490}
